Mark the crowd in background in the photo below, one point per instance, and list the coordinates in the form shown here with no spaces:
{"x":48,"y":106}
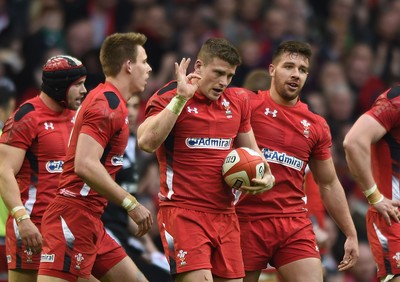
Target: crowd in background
{"x":356,"y":45}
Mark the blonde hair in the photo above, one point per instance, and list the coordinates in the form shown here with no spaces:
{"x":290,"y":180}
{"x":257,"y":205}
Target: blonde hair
{"x":118,"y":48}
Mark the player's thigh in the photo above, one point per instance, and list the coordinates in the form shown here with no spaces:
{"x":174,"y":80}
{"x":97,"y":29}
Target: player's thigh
{"x":218,"y":279}
{"x":200,"y":275}
{"x":22,"y":275}
{"x":45,"y":278}
{"x":252,"y":276}
{"x":126,"y":271}
{"x":308,"y":269}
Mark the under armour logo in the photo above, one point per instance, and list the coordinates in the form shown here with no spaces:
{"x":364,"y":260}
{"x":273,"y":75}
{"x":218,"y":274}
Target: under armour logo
{"x":268,"y":111}
{"x":48,"y":125}
{"x":189,"y":109}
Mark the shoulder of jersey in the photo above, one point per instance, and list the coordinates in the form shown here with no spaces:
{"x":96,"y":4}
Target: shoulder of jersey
{"x":108,"y":97}
{"x":238,"y":91}
{"x":393,"y":92}
{"x":23,"y":111}
{"x":112,"y":99}
{"x":172,"y":85}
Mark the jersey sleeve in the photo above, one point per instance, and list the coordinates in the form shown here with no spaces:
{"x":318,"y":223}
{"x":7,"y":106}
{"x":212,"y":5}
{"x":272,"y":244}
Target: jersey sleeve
{"x":101,"y":122}
{"x":245,"y":125}
{"x":321,"y":150}
{"x":160,"y":99}
{"x":21,"y":128}
{"x":387,"y":111}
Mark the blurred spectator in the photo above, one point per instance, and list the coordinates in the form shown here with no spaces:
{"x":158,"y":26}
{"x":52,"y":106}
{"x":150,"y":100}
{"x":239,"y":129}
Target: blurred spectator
{"x":46,"y":22}
{"x":153,"y":21}
{"x":364,"y":270}
{"x":359,"y":70}
{"x":250,"y":52}
{"x":80,"y":38}
{"x":386,"y":45}
{"x":274,"y":29}
{"x":250,"y":13}
{"x":329,"y":258}
{"x":232,"y":29}
{"x":341,"y":101}
{"x":330,"y":75}
{"x":316,"y":103}
{"x":257,"y":79}
{"x":338,"y":28}
{"x":7,"y":104}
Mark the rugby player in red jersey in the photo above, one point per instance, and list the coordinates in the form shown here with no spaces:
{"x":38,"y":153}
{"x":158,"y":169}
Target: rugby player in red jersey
{"x":372,"y":153}
{"x":192,"y":124}
{"x":33,"y":148}
{"x":75,"y":242}
{"x":275,"y":228}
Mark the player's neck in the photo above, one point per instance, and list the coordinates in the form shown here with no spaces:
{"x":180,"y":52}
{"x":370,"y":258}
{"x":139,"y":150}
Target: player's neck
{"x":122,"y":87}
{"x":50,"y":103}
{"x":277,"y":98}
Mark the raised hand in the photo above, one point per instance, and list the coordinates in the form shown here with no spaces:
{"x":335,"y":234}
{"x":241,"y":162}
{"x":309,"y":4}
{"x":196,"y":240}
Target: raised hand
{"x":187,"y":84}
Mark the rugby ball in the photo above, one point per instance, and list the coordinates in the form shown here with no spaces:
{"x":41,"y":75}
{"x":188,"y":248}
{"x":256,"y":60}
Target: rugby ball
{"x":241,"y":165}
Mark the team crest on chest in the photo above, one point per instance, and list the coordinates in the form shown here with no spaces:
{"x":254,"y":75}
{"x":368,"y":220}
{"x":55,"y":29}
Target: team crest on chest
{"x":228,"y":111}
{"x":306,"y":125}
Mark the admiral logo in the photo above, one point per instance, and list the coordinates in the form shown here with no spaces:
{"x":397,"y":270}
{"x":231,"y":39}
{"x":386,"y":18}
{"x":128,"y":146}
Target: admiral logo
{"x":283,"y":159}
{"x":9,"y":259}
{"x":54,"y":166}
{"x":47,"y":258}
{"x":117,"y":160}
{"x":209,"y":143}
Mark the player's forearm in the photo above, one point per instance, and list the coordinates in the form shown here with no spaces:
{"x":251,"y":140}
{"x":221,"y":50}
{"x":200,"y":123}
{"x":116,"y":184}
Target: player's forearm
{"x":335,"y":202}
{"x":93,"y":173}
{"x":154,"y":130}
{"x":9,"y":189}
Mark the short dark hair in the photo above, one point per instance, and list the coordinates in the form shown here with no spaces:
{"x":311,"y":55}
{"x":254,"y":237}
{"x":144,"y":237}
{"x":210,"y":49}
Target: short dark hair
{"x":117,"y":48}
{"x":292,"y":46}
{"x":219,"y":48}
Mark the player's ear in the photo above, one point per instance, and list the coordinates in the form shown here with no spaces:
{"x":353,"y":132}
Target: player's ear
{"x":128,"y":66}
{"x":197,"y":66}
{"x":271,"y":69}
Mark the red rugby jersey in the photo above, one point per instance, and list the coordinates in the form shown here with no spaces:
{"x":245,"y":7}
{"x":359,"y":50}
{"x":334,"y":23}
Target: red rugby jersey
{"x":191,"y":157}
{"x":288,"y":137}
{"x":103,"y":116}
{"x":385,"y":154}
{"x":43,"y":134}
